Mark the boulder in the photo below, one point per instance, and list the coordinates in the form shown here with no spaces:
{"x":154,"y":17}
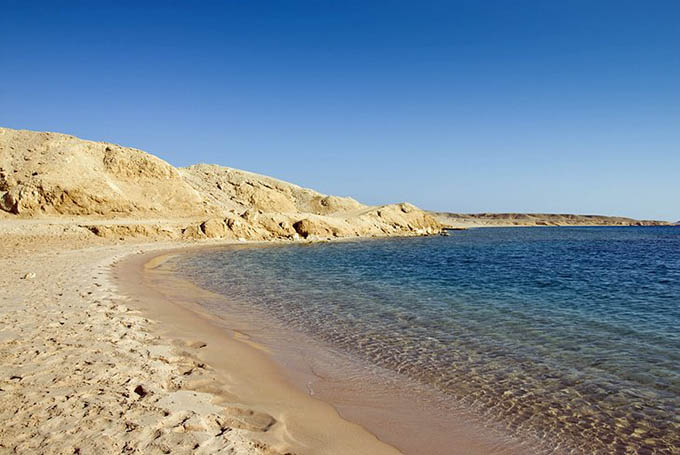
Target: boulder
{"x":214,"y":228}
{"x":193,"y":232}
{"x":316,"y":227}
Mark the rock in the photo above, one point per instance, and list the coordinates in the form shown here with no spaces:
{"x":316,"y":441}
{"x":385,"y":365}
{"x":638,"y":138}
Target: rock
{"x":214,"y":228}
{"x":141,"y":391}
{"x":123,"y":231}
{"x":6,"y":202}
{"x":242,"y":229}
{"x":232,"y":189}
{"x":278,"y":225}
{"x":28,"y":276}
{"x":57,"y":174}
{"x":306,"y":228}
{"x":193,"y":232}
{"x":21,"y":199}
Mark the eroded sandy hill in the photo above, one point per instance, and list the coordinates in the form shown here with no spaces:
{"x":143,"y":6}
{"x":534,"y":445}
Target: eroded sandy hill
{"x":43,"y":174}
{"x":111,"y":190}
{"x":234,"y":190}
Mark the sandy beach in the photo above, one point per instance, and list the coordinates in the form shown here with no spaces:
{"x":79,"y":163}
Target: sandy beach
{"x":298,"y":372}
{"x":95,"y":358}
{"x":85,"y":370}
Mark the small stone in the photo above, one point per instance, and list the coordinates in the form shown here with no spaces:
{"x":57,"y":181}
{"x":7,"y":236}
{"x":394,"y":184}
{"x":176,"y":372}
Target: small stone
{"x":139,"y":390}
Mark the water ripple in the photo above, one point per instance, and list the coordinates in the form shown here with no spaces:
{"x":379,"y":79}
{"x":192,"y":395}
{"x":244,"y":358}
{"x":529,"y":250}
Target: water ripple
{"x":571,"y":334}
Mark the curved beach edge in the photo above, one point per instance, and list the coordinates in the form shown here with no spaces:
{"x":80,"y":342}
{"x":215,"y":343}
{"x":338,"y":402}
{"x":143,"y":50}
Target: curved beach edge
{"x":242,"y":373}
{"x":85,"y":367}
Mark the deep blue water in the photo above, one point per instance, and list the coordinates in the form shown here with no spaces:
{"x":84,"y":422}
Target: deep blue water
{"x":572,"y":334}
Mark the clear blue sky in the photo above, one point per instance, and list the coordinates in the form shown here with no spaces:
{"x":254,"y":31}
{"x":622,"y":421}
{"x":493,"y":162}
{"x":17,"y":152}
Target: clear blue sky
{"x":536,"y":106}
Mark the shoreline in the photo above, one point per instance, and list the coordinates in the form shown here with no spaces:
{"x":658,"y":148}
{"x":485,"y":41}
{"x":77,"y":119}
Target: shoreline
{"x":84,"y":371}
{"x":243,"y":366}
{"x":73,"y":350}
{"x":405,"y":423}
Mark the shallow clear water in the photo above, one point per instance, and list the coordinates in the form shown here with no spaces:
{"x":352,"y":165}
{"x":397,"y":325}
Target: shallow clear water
{"x":569,"y":334}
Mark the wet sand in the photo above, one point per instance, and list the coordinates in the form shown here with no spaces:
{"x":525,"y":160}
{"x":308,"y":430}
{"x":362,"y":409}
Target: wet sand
{"x":244,"y":368}
{"x":310,"y":388}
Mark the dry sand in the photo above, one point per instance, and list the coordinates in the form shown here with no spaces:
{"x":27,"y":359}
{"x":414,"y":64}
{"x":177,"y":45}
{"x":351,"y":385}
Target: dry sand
{"x":85,"y":370}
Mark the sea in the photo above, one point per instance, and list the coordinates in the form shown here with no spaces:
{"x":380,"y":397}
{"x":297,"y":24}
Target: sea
{"x":569,"y":336}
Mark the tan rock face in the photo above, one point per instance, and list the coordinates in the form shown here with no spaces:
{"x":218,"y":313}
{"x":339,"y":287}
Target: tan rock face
{"x":319,"y":228}
{"x":214,"y":228}
{"x":193,"y":232}
{"x":157,"y":231}
{"x":232,"y":189}
{"x":50,"y":174}
{"x":56,"y":174}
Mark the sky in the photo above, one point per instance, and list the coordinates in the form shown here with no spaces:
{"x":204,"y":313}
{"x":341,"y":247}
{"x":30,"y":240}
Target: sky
{"x":466,"y":106}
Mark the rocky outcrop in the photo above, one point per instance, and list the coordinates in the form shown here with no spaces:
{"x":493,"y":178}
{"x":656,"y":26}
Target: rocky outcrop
{"x":314,"y":228}
{"x":113,"y":230}
{"x":234,"y":190}
{"x":214,"y":228}
{"x":126,"y":192}
{"x":46,"y":174}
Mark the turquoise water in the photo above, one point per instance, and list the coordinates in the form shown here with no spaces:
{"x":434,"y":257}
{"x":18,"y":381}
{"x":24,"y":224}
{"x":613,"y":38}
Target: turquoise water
{"x":570,"y":334}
